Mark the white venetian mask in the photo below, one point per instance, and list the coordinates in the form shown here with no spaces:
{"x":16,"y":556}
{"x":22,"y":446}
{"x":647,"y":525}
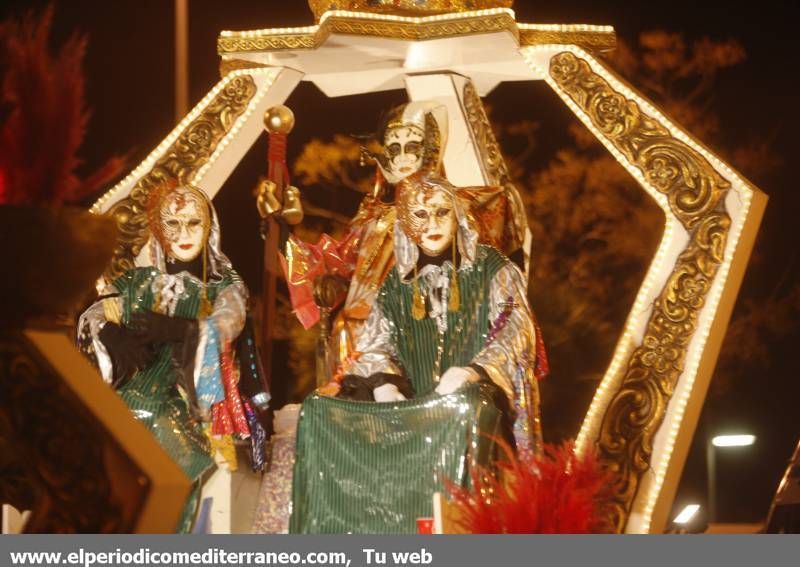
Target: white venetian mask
{"x":403,"y":149}
{"x":184,"y":225}
{"x":430,"y":220}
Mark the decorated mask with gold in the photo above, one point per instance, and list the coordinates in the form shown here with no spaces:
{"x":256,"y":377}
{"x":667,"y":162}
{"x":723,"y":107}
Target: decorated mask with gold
{"x":413,"y":136}
{"x":427,"y":214}
{"x":181,"y":221}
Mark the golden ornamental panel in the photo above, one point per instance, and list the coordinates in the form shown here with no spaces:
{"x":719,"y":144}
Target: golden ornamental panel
{"x":228,"y":65}
{"x":598,"y":41}
{"x":423,"y":30}
{"x":271,"y":42}
{"x":405,"y":7}
{"x":181,"y":161}
{"x":494,"y":164}
{"x":275,"y":40}
{"x":593,"y":38}
{"x":695,"y":191}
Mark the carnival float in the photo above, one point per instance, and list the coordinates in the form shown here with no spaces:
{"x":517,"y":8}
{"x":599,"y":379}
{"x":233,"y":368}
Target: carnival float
{"x":426,"y":416}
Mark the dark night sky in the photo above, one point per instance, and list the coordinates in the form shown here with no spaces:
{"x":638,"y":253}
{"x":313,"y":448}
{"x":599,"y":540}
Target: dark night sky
{"x":129,"y":69}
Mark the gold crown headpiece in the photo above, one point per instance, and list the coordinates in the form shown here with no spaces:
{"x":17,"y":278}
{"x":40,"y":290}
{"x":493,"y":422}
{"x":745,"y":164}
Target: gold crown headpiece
{"x":405,"y":7}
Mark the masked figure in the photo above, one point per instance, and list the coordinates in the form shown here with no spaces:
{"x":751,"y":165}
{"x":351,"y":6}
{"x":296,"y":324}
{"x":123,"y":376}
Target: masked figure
{"x":163,"y":337}
{"x":413,"y":137}
{"x":449,"y":351}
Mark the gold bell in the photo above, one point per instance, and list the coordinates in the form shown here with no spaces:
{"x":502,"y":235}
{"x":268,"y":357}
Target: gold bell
{"x":292,"y":211}
{"x":266,"y":202}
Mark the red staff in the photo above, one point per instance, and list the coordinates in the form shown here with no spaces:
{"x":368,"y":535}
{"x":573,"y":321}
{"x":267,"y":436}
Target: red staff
{"x":278,"y":204}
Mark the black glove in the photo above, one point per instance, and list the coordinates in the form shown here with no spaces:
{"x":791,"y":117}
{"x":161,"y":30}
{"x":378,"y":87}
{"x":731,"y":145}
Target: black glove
{"x":158,"y":328}
{"x":129,"y":351}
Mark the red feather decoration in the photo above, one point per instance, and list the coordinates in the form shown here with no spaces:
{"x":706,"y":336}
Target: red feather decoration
{"x":44,"y":117}
{"x":557,"y":493}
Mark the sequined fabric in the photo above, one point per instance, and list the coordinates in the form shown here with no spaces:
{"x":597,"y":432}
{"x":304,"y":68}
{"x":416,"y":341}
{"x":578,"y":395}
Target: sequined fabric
{"x":151,"y":394}
{"x":258,"y":439}
{"x":365,"y":467}
{"x":157,"y":395}
{"x":422,"y":350}
{"x":491,"y":286}
{"x":275,"y":496}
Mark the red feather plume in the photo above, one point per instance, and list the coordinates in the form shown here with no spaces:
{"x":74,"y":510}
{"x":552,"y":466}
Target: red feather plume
{"x":44,"y":117}
{"x":557,"y":493}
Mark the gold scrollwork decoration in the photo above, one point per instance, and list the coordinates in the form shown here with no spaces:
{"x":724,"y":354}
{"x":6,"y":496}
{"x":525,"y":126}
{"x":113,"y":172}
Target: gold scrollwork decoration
{"x":266,"y":43}
{"x":423,"y":30}
{"x":181,"y":161}
{"x":354,"y":25}
{"x":691,"y":184}
{"x":495,"y":167}
{"x":596,"y":41}
{"x":599,"y":39}
{"x":405,"y":7}
{"x":695,"y":191}
{"x":229,"y":65}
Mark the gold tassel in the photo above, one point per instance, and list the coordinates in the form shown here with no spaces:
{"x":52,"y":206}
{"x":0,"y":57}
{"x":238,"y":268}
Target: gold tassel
{"x":205,"y":305}
{"x":454,"y":303}
{"x":418,"y":303}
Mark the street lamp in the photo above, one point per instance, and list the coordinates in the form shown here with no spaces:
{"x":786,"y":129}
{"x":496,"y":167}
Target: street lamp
{"x":686,"y":514}
{"x":733,"y":440}
{"x":724,"y":441}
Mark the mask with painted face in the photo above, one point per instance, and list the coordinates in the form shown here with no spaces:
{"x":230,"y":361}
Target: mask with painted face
{"x":403,"y":148}
{"x":183,"y":224}
{"x":427,"y":215}
{"x":413,"y":137}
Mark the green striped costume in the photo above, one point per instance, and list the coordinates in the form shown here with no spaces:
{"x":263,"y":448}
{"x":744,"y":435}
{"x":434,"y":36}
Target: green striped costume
{"x":364,"y":467}
{"x":152,"y":394}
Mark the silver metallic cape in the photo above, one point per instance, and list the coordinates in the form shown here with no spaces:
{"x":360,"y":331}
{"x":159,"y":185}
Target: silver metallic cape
{"x":509,"y":357}
{"x":513,"y":349}
{"x":89,"y":325}
{"x":375,"y":345}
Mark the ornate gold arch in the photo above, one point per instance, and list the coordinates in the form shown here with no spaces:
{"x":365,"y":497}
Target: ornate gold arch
{"x":641,"y":410}
{"x":695,"y":191}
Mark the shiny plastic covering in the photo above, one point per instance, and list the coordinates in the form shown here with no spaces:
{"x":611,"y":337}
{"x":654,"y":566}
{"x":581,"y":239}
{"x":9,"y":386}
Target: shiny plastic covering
{"x":364,"y":467}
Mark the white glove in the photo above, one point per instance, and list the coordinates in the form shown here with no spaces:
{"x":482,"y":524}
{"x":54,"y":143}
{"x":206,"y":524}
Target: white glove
{"x":387,"y":393}
{"x":454,"y":378}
